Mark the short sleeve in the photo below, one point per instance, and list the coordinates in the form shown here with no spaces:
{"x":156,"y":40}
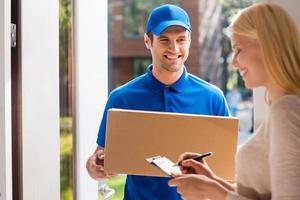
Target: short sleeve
{"x":220,"y":105}
{"x":102,"y":128}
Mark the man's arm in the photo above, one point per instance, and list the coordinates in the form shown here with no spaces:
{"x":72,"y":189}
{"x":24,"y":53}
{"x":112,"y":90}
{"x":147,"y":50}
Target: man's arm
{"x":95,"y":163}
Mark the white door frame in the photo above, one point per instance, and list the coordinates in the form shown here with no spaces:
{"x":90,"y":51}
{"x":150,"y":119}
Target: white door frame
{"x":5,"y":102}
{"x":91,"y":83}
{"x":39,"y":28}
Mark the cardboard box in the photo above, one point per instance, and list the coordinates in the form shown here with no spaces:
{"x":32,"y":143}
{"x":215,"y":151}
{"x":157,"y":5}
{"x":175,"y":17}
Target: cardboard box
{"x":132,"y":136}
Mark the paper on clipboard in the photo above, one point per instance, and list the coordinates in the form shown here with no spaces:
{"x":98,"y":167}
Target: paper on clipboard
{"x":166,"y":165}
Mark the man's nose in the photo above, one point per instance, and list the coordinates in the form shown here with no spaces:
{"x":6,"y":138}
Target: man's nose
{"x":174,"y":47}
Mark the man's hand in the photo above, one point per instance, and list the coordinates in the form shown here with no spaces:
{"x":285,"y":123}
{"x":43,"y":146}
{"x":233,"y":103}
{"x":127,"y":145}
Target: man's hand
{"x":95,"y":164}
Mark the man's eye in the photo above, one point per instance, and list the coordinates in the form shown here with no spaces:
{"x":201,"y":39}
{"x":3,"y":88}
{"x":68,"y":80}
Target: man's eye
{"x":163,"y":40}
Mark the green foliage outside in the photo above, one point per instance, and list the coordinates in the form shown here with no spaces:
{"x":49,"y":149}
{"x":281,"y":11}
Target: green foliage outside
{"x":231,"y":78}
{"x":136,"y":15}
{"x":117,"y":183}
{"x":65,"y":23}
{"x":140,"y":66}
{"x":66,"y":178}
{"x":66,"y":158}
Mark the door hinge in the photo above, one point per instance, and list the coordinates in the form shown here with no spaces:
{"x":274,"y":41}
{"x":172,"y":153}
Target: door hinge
{"x":13,"y":35}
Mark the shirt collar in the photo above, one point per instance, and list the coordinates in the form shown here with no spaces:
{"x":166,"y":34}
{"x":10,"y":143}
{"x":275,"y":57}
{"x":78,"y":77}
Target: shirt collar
{"x":157,"y":86}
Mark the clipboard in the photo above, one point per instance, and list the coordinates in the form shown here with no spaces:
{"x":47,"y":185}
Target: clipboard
{"x":132,"y":136}
{"x":165,"y":165}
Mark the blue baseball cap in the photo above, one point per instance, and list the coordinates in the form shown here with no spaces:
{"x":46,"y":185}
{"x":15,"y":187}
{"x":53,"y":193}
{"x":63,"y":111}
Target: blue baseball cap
{"x":165,"y":16}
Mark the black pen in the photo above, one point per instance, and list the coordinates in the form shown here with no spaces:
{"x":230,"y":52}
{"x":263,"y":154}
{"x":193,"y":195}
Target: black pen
{"x":197,"y":158}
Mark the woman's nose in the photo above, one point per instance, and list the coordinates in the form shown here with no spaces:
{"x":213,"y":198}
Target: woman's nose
{"x":234,"y":61}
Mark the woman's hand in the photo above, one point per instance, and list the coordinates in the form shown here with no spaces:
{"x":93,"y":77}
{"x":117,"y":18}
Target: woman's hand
{"x":194,"y":186}
{"x":190,"y":166}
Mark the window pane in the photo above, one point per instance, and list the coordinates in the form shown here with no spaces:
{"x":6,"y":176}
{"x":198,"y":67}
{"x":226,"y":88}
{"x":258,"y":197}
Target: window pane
{"x":65,"y":88}
{"x":136,"y":15}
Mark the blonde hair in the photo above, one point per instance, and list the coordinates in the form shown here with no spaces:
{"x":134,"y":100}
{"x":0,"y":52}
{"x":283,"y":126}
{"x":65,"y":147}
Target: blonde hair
{"x":279,"y":41}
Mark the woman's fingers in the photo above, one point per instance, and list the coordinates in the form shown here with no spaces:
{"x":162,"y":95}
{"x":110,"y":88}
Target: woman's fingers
{"x":187,"y":155}
{"x":198,"y":167}
{"x":174,"y":182}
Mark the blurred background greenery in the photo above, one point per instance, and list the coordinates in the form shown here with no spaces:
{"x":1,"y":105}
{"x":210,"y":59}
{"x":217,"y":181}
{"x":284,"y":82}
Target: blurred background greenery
{"x":117,"y":183}
{"x":66,"y":177}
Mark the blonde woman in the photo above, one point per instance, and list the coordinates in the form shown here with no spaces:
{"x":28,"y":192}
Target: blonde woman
{"x":266,"y":51}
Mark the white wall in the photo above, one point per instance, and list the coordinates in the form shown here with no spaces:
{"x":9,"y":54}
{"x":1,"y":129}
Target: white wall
{"x":5,"y":103}
{"x":260,"y":107}
{"x":292,"y":6}
{"x":90,"y":39}
{"x":40,"y":99}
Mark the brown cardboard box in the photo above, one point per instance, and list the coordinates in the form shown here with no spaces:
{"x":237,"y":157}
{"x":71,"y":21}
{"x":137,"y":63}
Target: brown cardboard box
{"x":132,"y":136}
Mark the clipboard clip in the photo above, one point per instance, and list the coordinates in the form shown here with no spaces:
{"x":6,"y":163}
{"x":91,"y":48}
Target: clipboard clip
{"x":151,"y":159}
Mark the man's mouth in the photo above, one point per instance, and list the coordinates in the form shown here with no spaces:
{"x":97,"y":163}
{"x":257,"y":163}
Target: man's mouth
{"x":172,"y":57}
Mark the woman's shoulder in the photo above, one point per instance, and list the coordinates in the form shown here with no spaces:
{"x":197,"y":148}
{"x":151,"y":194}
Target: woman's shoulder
{"x":285,"y":116}
{"x":288,"y":104}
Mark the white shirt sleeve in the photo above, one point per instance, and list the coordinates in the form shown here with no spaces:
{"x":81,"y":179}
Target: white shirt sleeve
{"x":284,"y":151}
{"x":234,"y":196}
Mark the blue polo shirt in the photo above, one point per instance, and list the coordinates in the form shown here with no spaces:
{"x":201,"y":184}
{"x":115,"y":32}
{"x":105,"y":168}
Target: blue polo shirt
{"x":188,"y":94}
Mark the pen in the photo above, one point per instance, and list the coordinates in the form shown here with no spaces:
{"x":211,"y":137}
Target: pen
{"x":197,"y":158}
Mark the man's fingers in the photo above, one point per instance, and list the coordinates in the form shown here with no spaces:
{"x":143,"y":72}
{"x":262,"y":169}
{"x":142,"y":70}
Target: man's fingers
{"x":101,"y":157}
{"x":98,"y":167}
{"x":100,"y":173}
{"x":110,"y":174}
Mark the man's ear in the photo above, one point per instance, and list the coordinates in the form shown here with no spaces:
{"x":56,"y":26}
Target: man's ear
{"x":147,"y":41}
{"x":190,"y":40}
